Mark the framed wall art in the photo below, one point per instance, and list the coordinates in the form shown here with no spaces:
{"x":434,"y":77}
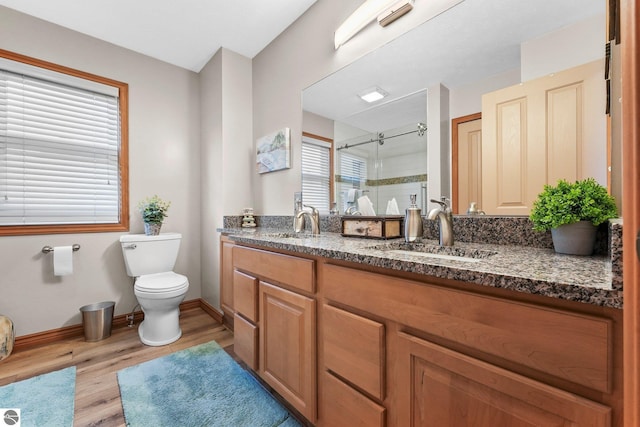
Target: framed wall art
{"x":273,"y":151}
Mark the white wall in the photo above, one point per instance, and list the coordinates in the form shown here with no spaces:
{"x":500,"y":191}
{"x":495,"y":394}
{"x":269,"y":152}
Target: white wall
{"x":317,"y":125}
{"x":570,"y":46}
{"x":164,"y":153}
{"x":438,"y":152}
{"x":227,"y":155}
{"x":467,"y":99}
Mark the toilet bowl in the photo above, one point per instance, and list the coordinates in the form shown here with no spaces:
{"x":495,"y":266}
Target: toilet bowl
{"x":159,"y":290}
{"x":160,"y":296}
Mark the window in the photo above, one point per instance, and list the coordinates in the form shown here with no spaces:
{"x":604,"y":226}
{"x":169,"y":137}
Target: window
{"x":316,"y":172}
{"x":63,"y":149}
{"x":352,"y":174}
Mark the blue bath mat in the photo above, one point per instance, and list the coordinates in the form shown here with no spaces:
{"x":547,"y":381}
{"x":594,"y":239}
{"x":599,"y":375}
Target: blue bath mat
{"x":199,"y":386}
{"x":45,"y":400}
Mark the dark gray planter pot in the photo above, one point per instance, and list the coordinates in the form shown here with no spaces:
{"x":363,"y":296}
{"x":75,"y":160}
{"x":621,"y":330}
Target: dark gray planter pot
{"x":578,"y":238}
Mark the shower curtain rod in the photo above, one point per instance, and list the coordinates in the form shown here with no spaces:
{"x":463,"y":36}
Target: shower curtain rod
{"x":380,"y":139}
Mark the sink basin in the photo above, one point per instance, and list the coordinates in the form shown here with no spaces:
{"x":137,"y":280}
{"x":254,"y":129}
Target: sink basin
{"x":451,"y":253}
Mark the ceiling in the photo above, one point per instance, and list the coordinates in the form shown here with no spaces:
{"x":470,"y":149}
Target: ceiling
{"x":186,"y":33}
{"x":473,"y":40}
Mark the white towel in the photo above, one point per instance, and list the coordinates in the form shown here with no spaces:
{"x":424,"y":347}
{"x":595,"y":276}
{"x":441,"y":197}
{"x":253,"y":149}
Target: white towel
{"x":351,"y":195}
{"x":392,"y":207}
{"x":365,"y":206}
{"x":62,"y":260}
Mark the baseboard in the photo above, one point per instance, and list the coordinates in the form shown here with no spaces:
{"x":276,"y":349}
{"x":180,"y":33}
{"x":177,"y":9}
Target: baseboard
{"x":74,"y":331}
{"x":211,"y":310}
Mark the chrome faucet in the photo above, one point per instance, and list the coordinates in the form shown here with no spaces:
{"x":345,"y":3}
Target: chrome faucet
{"x":310,"y":213}
{"x":445,"y":218}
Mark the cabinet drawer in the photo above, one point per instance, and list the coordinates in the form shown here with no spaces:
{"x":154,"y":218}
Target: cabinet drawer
{"x":354,"y":349}
{"x":571,"y":346}
{"x":245,"y":341}
{"x":288,"y":270}
{"x":245,"y":295}
{"x":343,"y":406}
{"x":446,"y":388}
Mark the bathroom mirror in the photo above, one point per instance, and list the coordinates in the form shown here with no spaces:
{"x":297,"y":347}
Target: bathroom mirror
{"x":476,"y":47}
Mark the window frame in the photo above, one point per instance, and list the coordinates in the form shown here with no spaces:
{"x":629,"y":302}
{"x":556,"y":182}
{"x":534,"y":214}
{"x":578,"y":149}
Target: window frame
{"x":331,"y":165}
{"x":123,"y":157}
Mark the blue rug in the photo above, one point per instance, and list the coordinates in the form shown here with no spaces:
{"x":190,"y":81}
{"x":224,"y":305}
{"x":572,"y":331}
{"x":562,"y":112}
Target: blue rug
{"x":45,"y":400}
{"x":199,"y":386}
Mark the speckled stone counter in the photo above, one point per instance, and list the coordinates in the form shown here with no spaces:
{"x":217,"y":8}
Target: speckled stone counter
{"x":526,"y":269}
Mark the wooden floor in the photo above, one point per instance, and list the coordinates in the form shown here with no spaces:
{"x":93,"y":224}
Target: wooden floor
{"x":97,"y":400}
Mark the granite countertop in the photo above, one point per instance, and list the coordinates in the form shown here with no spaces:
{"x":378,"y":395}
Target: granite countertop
{"x":526,"y":269}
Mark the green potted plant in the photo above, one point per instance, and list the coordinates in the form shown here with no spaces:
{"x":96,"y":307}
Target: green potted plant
{"x":154,"y":211}
{"x":573,"y":212}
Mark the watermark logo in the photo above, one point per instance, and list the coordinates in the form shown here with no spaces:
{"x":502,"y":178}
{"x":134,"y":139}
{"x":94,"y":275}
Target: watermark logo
{"x":10,"y":417}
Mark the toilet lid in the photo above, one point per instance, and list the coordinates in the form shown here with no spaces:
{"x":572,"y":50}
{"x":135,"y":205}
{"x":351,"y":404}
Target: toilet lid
{"x":161,"y":282}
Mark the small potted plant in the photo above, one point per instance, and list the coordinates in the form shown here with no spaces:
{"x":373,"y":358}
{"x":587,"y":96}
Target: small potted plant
{"x":153,"y":210}
{"x":573,"y":212}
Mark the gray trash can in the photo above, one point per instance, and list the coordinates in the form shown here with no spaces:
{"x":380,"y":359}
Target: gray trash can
{"x":97,"y":319}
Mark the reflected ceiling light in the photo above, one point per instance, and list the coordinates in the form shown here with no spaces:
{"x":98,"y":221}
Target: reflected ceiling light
{"x":372,"y":95}
{"x":367,"y":12}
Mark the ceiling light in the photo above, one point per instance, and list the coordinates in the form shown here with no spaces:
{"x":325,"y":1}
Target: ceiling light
{"x":373,"y":94}
{"x":367,"y":12}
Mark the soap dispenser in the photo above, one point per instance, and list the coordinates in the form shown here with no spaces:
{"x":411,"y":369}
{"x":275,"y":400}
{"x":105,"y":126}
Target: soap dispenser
{"x":413,"y":221}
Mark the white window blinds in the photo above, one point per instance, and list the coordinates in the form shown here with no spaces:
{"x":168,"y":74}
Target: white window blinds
{"x":353,"y":170}
{"x":316,"y":172}
{"x":59,"y":147}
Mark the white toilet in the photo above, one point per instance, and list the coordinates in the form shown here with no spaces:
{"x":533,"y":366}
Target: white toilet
{"x":150,"y":259}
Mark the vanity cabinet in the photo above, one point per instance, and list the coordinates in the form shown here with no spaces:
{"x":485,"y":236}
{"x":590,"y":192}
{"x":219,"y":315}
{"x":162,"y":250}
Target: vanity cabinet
{"x":458,"y":356}
{"x":350,"y":345}
{"x":275,"y":322}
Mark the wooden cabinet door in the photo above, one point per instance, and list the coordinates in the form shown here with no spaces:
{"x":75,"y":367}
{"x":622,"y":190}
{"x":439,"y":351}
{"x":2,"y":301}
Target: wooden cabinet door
{"x":288,"y":346}
{"x":226,"y":277}
{"x":540,"y":131}
{"x":440,"y":387}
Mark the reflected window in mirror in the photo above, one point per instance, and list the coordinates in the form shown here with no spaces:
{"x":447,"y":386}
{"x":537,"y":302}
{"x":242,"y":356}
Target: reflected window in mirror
{"x":317,"y":172}
{"x":351,"y":180}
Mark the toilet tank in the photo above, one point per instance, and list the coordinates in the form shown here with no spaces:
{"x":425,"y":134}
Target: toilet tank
{"x":149,"y":254}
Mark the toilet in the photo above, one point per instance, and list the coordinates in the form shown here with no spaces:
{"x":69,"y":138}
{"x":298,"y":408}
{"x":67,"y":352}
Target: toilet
{"x":150,"y":260}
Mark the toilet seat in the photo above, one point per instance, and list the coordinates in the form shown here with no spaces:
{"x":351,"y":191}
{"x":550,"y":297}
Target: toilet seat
{"x":161,"y":282}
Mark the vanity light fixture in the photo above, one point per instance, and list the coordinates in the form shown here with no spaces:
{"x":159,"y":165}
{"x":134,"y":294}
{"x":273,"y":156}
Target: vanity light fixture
{"x":372,"y":95}
{"x":363,"y":15}
{"x":394,"y":12}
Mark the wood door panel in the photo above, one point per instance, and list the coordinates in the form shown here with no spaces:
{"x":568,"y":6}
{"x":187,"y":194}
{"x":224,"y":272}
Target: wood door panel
{"x":564,"y":133}
{"x":354,"y":349}
{"x":451,"y":389}
{"x":539,"y":131}
{"x":469,"y":164}
{"x":287,"y":346}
